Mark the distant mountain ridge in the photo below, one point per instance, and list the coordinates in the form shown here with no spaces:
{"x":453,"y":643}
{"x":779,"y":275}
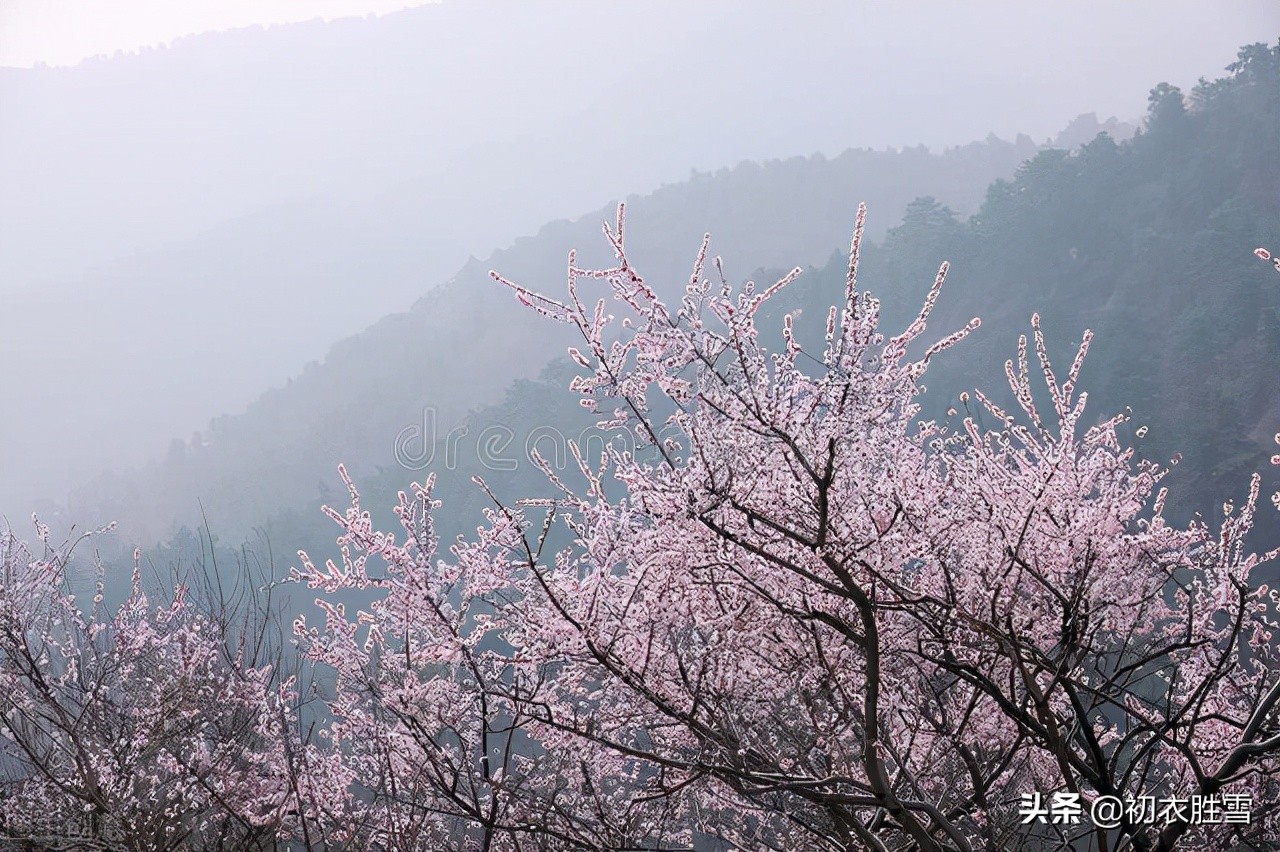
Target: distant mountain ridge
{"x":464,"y":342}
{"x":1149,"y":243}
{"x":184,"y":227}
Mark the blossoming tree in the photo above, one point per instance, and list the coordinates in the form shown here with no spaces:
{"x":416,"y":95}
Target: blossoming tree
{"x":809,"y":619}
{"x":150,"y":727}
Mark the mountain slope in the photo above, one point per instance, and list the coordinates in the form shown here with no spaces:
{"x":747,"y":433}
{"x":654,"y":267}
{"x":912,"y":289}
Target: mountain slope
{"x":1149,"y":243}
{"x":463,"y":343}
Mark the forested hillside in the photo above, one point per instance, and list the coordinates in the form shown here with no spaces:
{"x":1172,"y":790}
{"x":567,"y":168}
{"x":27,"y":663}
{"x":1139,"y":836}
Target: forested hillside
{"x":465,"y":341}
{"x":1147,"y":242}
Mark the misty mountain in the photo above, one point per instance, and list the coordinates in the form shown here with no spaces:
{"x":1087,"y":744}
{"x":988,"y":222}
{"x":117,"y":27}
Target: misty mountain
{"x":184,"y":227}
{"x":1148,"y":242}
{"x":464,"y":342}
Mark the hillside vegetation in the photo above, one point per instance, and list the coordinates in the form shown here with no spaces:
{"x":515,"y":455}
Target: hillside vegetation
{"x":1148,"y":242}
{"x":460,"y":346}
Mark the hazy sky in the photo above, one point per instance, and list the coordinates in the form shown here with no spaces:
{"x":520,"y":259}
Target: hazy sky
{"x":63,"y":32}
